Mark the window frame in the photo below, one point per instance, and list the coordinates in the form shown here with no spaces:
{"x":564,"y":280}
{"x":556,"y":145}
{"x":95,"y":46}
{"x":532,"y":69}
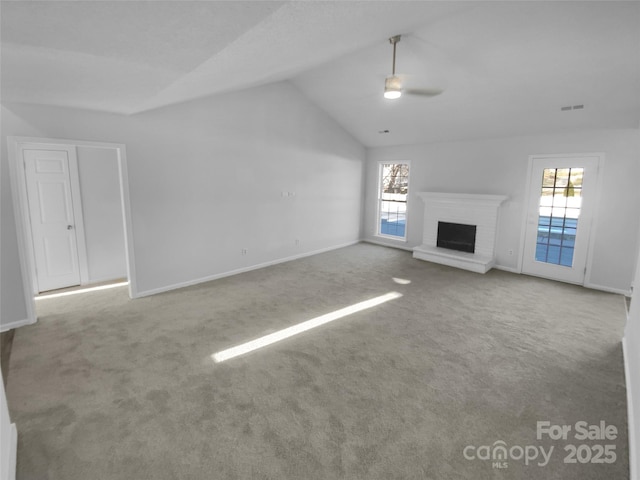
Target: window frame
{"x":378,"y":220}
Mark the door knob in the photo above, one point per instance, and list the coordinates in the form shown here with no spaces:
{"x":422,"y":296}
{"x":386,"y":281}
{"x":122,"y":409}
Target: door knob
{"x":69,"y":227}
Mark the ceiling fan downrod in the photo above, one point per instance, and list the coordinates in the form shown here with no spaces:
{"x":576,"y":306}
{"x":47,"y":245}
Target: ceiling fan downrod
{"x":392,"y":86}
{"x":393,"y":41}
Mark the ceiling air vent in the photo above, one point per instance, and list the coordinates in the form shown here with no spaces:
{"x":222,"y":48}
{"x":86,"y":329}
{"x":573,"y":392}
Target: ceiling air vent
{"x":571,"y":107}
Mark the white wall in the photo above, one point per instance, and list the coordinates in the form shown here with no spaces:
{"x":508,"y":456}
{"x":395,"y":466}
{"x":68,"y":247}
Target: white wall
{"x":632,"y":358}
{"x":8,"y":439}
{"x":102,"y":213}
{"x":13,"y":308}
{"x":206,"y":180}
{"x":499,"y":166}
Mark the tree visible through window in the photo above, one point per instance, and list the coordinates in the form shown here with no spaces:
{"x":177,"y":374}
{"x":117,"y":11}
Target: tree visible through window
{"x":392,"y":199}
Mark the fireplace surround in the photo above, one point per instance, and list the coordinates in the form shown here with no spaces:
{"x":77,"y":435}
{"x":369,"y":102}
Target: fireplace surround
{"x":481,"y":211}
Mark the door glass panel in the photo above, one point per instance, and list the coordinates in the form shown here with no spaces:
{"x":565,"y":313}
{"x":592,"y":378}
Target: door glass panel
{"x":558,"y":214}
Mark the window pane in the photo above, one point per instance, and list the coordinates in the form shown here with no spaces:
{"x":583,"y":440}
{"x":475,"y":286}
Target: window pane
{"x":549,"y":177}
{"x":562,"y":177}
{"x":576,"y":177}
{"x":557,"y":221}
{"x":559,"y":200}
{"x":546,"y":199}
{"x":541,"y":252}
{"x":566,"y":257}
{"x":553,"y":254}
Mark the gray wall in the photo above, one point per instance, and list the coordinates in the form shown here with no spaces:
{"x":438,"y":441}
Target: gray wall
{"x":206,"y":181}
{"x":499,"y":166}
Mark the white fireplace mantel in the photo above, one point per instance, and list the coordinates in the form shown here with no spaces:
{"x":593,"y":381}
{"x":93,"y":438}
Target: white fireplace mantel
{"x":470,"y":209}
{"x":462,"y":199}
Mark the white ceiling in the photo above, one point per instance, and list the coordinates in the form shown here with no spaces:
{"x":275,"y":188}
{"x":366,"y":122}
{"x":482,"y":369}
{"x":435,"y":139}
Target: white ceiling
{"x":506,"y":67}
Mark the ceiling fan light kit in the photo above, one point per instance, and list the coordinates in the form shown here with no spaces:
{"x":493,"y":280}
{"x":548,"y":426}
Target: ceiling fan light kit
{"x":392,"y":88}
{"x":392,"y":84}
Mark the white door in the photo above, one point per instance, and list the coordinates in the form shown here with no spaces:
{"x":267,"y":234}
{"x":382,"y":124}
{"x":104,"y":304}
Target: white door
{"x":561,"y":202}
{"x":52,"y":218}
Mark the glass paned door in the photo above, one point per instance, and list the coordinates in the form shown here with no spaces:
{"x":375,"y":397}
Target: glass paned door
{"x":558,"y":218}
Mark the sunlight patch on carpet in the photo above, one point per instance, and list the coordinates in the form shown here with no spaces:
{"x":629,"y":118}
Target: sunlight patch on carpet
{"x":301,"y":327}
{"x":83,"y":290}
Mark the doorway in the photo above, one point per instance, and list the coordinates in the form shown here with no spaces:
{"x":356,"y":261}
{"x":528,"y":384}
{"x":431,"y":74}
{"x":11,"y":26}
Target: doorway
{"x":561,"y":204}
{"x":60,"y":214}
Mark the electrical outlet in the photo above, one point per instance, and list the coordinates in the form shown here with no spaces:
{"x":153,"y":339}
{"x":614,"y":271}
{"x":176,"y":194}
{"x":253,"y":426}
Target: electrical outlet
{"x":244,"y":251}
{"x":297,"y":242}
{"x":510,"y":252}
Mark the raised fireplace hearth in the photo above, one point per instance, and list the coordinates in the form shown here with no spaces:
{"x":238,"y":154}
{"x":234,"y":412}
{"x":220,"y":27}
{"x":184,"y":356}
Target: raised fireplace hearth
{"x":459,"y":230}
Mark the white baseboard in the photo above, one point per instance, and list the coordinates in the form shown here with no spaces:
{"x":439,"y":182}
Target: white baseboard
{"x":387,"y":244}
{"x":506,"y":269}
{"x":15,"y":324}
{"x":634,"y":459}
{"x":607,"y":289}
{"x":93,"y":281}
{"x":217,"y":276}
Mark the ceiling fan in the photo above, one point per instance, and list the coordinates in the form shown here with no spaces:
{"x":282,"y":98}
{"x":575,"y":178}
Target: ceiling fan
{"x":393,"y":84}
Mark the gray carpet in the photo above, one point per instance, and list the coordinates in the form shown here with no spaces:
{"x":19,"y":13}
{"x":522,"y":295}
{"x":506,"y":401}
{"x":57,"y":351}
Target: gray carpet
{"x":103,"y":387}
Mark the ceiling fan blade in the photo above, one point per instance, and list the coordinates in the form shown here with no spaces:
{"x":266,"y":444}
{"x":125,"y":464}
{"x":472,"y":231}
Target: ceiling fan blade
{"x":425,"y":92}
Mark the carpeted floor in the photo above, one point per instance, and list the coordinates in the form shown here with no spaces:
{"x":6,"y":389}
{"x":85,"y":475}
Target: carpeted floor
{"x":104,"y":387}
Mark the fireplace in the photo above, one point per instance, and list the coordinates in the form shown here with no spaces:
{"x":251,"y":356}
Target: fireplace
{"x":456,"y":236}
{"x":460,"y":229}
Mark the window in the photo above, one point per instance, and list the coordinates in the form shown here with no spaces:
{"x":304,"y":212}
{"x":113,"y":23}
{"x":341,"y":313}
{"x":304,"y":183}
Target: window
{"x":560,"y":203}
{"x":393,"y":181}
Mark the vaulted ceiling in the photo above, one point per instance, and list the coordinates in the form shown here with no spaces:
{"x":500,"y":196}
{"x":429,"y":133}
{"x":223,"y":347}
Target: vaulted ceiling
{"x":505,"y":68}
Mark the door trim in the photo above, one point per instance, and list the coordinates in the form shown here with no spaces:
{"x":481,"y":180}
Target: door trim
{"x":592,"y":234}
{"x":15,"y":146}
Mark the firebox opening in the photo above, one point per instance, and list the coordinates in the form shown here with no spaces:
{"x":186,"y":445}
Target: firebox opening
{"x":457,"y":236}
